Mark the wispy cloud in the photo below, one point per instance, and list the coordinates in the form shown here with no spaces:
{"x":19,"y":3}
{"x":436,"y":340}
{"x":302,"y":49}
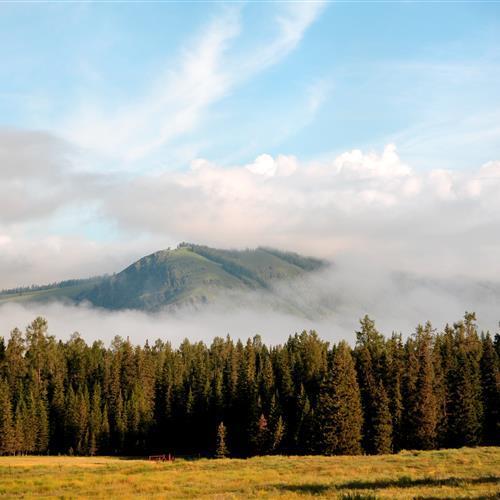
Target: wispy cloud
{"x":179,"y":99}
{"x":292,"y":23}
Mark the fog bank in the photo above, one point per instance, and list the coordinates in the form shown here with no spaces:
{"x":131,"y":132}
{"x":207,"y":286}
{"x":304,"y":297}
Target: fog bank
{"x":330,"y":301}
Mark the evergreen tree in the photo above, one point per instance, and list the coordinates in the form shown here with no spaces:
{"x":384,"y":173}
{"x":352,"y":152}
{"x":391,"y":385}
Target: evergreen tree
{"x":7,"y":442}
{"x":382,"y":423}
{"x":42,"y":420}
{"x":276,"y":425}
{"x":425,"y":417}
{"x":19,"y":428}
{"x":465,"y":406}
{"x":278,"y":433}
{"x":95,"y":423}
{"x":339,"y":415}
{"x":394,"y":381}
{"x":221,"y":450}
{"x":440,"y":389}
{"x":262,"y":437}
{"x":490,"y":379}
{"x":372,"y":369}
{"x":301,"y":397}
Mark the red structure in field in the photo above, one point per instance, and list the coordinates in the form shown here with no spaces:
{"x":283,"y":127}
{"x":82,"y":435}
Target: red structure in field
{"x":162,"y":458}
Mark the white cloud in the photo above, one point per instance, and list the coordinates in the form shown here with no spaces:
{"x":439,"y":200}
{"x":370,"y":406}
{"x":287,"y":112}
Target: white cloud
{"x":371,"y":212}
{"x":317,"y":94}
{"x":267,"y":166}
{"x":37,"y":177}
{"x":370,"y":204}
{"x":292,"y":22}
{"x":177,"y":101}
{"x":28,"y":260}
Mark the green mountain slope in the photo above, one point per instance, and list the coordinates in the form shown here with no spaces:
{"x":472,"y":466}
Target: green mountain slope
{"x":187,"y":275}
{"x":65,"y":290}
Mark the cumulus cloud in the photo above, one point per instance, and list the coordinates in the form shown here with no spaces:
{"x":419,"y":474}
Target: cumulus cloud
{"x":407,"y":245}
{"x":372,"y":205}
{"x":38,"y":176}
{"x":368,"y":204}
{"x":40,"y":185}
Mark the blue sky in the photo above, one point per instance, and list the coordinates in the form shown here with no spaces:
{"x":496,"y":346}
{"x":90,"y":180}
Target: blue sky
{"x":363,"y":132}
{"x":127,"y":127}
{"x":360,"y":75}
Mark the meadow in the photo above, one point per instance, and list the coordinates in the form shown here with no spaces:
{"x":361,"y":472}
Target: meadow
{"x":459,"y":473}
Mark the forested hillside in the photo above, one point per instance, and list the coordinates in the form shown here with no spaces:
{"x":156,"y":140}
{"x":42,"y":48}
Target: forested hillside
{"x":434,"y":389}
{"x":195,"y":274}
{"x":187,"y":275}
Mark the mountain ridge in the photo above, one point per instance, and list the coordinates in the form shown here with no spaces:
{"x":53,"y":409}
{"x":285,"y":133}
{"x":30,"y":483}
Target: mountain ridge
{"x":187,"y":275}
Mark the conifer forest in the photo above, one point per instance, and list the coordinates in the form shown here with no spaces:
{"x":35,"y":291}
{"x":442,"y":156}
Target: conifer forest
{"x":431,"y":389}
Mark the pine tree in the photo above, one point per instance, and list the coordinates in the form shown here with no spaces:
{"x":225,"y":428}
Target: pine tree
{"x":303,"y":409}
{"x":339,"y":415}
{"x":369,"y":394}
{"x":221,"y":450}
{"x":301,"y":397}
{"x":440,"y":389}
{"x":278,"y":433}
{"x":95,"y":423}
{"x":30,"y":421}
{"x":490,"y":379}
{"x":382,"y":423}
{"x":42,"y":417}
{"x":394,"y":378}
{"x":7,"y":444}
{"x":465,"y":406}
{"x":20,"y":445}
{"x":425,"y":418}
{"x":276,"y":425}
{"x":56,"y":413}
{"x":371,"y":364}
{"x":104,"y":441}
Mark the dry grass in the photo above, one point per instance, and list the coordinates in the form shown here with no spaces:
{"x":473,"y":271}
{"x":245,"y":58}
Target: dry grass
{"x":464,"y":473}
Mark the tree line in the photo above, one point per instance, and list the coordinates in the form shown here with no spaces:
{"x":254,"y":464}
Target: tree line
{"x":430,"y":390}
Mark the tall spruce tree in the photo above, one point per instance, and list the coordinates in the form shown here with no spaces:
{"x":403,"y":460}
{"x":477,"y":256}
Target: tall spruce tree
{"x":425,"y":404}
{"x":339,"y":415}
{"x":382,"y":422}
{"x":490,"y":380}
{"x":394,"y":381}
{"x":300,"y":397}
{"x":7,"y":439}
{"x":465,"y":405}
{"x":371,"y":364}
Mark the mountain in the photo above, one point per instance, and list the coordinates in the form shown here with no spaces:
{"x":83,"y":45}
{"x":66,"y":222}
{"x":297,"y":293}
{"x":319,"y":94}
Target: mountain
{"x":188,"y":275}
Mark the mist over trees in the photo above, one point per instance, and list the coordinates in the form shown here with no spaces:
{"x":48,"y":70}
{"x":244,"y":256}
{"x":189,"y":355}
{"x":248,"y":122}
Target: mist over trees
{"x":434,"y":389}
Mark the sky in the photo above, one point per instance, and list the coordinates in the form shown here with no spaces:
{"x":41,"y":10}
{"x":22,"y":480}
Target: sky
{"x":359,"y":132}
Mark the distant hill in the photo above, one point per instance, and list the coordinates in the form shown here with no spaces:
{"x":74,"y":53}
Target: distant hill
{"x":188,"y":275}
{"x":68,"y":290}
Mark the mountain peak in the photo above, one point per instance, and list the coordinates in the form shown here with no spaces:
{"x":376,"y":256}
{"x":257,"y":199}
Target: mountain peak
{"x":190,"y":274}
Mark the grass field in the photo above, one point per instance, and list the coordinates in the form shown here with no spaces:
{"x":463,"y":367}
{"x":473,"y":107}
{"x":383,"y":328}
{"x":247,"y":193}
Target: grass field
{"x":464,"y":473}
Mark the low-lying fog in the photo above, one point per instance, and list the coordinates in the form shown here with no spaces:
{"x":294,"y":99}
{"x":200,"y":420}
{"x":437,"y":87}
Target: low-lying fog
{"x":331,"y":302}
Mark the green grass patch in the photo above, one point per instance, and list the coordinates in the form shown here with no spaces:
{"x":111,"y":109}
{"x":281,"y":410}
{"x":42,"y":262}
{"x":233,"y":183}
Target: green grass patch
{"x":463,"y":473}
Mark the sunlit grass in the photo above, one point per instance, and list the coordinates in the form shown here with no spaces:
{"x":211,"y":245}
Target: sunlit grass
{"x":464,"y":473}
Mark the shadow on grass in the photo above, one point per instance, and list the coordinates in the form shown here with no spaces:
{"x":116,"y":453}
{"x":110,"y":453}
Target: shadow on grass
{"x":320,"y":489}
{"x":403,"y":482}
{"x":408,"y":482}
{"x":493,"y":496}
